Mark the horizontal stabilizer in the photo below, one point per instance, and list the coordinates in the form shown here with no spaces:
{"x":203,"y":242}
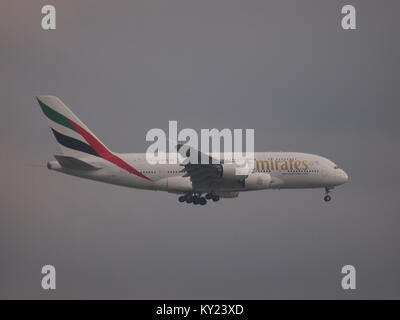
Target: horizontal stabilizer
{"x":74,"y":163}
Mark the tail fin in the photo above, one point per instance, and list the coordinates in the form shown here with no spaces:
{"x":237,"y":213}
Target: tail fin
{"x":74,"y":137}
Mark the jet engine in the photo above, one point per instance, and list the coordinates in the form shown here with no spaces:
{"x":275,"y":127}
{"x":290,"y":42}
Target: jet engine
{"x":229,"y":171}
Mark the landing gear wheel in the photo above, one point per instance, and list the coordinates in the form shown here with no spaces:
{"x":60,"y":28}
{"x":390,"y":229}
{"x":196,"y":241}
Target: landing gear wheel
{"x":182,"y":199}
{"x":196,"y":200}
{"x":215,"y":198}
{"x":202,"y":201}
{"x":327,"y":196}
{"x":189,"y":199}
{"x":208,"y":196}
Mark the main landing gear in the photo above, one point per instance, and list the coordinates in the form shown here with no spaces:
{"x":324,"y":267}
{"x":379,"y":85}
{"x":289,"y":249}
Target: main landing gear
{"x":196,"y":198}
{"x":327,"y":196}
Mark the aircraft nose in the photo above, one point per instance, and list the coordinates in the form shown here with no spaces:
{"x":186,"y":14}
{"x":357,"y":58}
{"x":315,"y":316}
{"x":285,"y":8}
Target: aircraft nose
{"x":343,"y":176}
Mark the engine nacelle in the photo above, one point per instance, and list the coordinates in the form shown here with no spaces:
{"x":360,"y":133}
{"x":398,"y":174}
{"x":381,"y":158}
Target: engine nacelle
{"x":228,"y":171}
{"x":257,"y":181}
{"x":174,"y":185}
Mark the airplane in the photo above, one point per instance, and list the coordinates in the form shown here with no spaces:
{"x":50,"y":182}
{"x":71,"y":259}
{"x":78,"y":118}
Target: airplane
{"x":85,"y":156}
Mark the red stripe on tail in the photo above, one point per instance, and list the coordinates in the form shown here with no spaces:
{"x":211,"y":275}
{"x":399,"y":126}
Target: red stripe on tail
{"x":103,"y":151}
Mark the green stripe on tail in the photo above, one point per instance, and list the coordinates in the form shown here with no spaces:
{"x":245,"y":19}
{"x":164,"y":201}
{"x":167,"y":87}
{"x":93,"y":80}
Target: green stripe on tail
{"x":55,"y":116}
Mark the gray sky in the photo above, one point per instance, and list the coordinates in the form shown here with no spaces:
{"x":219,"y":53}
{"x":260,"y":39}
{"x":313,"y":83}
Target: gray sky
{"x":285,"y":68}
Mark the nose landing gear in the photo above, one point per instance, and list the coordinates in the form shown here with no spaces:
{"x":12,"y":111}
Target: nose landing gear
{"x":327,"y":196}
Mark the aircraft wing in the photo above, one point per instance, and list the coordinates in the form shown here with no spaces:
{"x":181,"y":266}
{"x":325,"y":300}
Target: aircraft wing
{"x":204,"y":171}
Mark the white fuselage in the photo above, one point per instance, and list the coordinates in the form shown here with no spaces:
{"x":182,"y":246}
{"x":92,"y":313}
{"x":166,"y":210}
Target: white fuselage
{"x":272,"y":170}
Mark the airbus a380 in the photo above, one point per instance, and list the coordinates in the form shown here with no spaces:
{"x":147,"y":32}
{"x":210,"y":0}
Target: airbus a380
{"x":85,"y":156}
